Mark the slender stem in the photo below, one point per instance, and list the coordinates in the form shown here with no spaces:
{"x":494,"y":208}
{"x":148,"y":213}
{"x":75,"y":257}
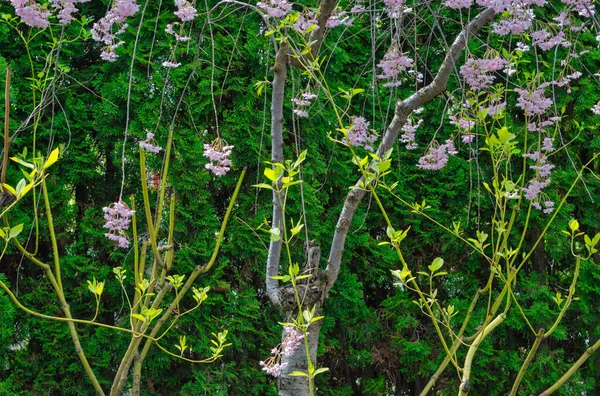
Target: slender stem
{"x":534,"y":348}
{"x":465,"y":386}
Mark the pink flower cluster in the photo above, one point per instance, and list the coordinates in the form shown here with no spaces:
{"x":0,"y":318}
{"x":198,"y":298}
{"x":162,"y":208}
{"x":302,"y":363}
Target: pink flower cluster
{"x":475,"y":71}
{"x":118,"y":218}
{"x":395,"y":8}
{"x":102,"y":31}
{"x":392,"y":64}
{"x":596,"y":108}
{"x":306,"y":21}
{"x":545,"y":40}
{"x":31,"y":13}
{"x":275,"y":8}
{"x":533,"y":102}
{"x":339,"y":18}
{"x":185,"y":11}
{"x":542,"y":178}
{"x":218,"y":154}
{"x":274,"y":365}
{"x":359,"y":134}
{"x":457,"y":4}
{"x":169,"y":30}
{"x":147,"y":144}
{"x":408,"y":137}
{"x":65,"y":9}
{"x":437,"y":157}
{"x":518,"y":19}
{"x":305,"y":100}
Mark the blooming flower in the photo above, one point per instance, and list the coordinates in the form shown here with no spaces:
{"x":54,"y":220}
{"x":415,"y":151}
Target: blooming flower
{"x":148,"y":146}
{"x":275,"y":8}
{"x":305,"y":100}
{"x":31,"y":13}
{"x":102,"y":31}
{"x":393,"y":63}
{"x":437,"y":157}
{"x":533,"y":102}
{"x":456,"y":4}
{"x":171,"y":65}
{"x":292,"y":340}
{"x":408,"y":137}
{"x":218,"y":153}
{"x":185,"y":11}
{"x":359,"y":134}
{"x":475,"y":71}
{"x":118,"y":218}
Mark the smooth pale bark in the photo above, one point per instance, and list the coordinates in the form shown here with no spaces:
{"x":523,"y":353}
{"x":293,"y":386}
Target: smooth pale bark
{"x":322,"y":281}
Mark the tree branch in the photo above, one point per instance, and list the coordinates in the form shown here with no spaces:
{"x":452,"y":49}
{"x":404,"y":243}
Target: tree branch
{"x":403,"y":110}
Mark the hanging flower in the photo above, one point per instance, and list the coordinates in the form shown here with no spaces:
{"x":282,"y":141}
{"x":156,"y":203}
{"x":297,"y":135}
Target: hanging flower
{"x":218,"y":153}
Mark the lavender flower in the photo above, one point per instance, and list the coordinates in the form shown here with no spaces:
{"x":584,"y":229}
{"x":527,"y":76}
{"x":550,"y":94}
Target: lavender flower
{"x":408,"y":137}
{"x":147,"y":144}
{"x":185,"y":11}
{"x":171,"y":65}
{"x":392,"y":64}
{"x":359,"y":135}
{"x":305,"y":100}
{"x":437,"y":157}
{"x":102,"y":31}
{"x":218,"y":153}
{"x":118,"y":218}
{"x":457,"y":4}
{"x":31,"y":13}
{"x":65,"y":9}
{"x":275,"y":8}
{"x":533,"y":102}
{"x":596,"y":108}
{"x":292,"y":340}
{"x":474,"y":71}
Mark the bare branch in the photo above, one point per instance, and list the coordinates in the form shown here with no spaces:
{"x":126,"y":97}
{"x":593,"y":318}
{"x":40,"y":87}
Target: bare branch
{"x":403,"y":110}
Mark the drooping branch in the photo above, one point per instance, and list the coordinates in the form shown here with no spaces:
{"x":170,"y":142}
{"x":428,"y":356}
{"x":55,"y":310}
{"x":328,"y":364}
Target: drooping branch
{"x":403,"y":109}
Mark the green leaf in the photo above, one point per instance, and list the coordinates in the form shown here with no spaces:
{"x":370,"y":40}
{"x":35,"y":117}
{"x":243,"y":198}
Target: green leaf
{"x":574,"y":225}
{"x":436,"y":265}
{"x":14,"y":231}
{"x":320,"y":371}
{"x":298,"y":374}
{"x":51,"y":159}
{"x":22,"y":162}
{"x":139,"y":317}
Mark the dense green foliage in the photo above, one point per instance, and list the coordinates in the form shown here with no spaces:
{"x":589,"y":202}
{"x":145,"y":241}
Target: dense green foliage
{"x":374,"y":339}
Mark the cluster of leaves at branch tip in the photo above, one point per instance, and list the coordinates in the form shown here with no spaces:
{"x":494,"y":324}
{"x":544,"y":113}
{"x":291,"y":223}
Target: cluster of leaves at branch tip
{"x":589,"y":243}
{"x":374,"y":168}
{"x":283,"y":173}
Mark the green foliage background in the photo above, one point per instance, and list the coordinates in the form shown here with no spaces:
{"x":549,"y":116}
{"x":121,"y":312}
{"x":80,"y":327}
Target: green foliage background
{"x":374,"y":339}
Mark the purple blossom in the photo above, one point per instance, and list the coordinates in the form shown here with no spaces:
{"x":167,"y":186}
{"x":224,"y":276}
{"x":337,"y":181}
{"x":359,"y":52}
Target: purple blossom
{"x":185,"y":11}
{"x":338,"y":18}
{"x":461,"y":123}
{"x":218,"y":153}
{"x":305,"y":99}
{"x":118,"y":218}
{"x":468,"y":138}
{"x":147,"y":144}
{"x":495,"y":105}
{"x":292,"y":340}
{"x":169,"y":30}
{"x":474,"y":71}
{"x":596,"y":108}
{"x":547,"y":145}
{"x":395,"y":8}
{"x":437,"y":157}
{"x":546,"y":40}
{"x":65,"y":9}
{"x":408,"y":137}
{"x":393,"y":63}
{"x":275,"y":8}
{"x":306,"y":21}
{"x":102,"y":31}
{"x":533,"y":102}
{"x":359,"y":135}
{"x":171,"y":65}
{"x":517,"y":21}
{"x":456,"y":4}
{"x":31,"y":13}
